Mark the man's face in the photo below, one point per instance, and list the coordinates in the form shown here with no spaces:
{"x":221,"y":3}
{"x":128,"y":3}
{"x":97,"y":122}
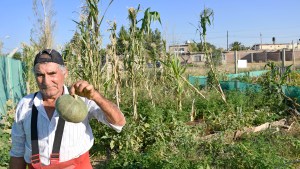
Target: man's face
{"x":50,"y":79}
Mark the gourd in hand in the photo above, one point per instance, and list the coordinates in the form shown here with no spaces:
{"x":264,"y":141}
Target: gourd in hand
{"x":71,"y":108}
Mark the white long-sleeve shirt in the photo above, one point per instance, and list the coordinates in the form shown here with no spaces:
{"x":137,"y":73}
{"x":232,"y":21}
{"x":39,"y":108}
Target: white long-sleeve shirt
{"x":76,"y":140}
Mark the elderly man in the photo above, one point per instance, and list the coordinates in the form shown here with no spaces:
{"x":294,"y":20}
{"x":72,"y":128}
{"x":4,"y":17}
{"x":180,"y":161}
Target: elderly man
{"x":42,"y":139}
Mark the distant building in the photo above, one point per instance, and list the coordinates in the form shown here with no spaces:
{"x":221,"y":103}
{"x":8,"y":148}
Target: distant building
{"x":182,"y":51}
{"x":257,"y":56}
{"x":259,"y":53}
{"x":179,"y":49}
{"x":273,"y":47}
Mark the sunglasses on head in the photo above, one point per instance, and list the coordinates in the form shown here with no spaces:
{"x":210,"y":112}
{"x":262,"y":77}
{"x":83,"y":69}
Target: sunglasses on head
{"x":46,"y":52}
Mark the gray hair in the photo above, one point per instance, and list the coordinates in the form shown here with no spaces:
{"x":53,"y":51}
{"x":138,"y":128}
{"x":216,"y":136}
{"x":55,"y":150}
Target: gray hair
{"x":62,"y":68}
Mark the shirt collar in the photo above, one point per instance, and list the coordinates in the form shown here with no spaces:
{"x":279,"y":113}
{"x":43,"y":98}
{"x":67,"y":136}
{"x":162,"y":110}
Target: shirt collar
{"x":66,"y":90}
{"x":38,"y":102}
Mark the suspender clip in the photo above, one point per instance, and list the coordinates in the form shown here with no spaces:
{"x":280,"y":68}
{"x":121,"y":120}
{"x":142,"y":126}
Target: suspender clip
{"x":54,"y":158}
{"x":35,"y":158}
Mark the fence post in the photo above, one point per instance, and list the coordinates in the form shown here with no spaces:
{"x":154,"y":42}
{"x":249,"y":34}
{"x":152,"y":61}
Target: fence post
{"x":293,"y":56}
{"x":283,"y":62}
{"x":283,"y":58}
{"x":266,"y":56}
{"x":235,"y":62}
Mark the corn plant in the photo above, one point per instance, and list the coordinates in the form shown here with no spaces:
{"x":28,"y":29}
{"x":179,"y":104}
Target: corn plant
{"x":83,"y":52}
{"x":90,"y":40}
{"x":205,"y":19}
{"x":115,"y":62}
{"x":133,"y":58}
{"x":176,"y":72}
{"x":27,"y":59}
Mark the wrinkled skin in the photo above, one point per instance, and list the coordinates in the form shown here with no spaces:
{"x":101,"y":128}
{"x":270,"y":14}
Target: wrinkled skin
{"x":50,"y":79}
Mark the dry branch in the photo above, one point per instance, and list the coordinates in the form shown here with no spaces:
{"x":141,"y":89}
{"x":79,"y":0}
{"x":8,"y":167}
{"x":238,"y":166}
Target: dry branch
{"x":280,"y":124}
{"x":193,"y":87}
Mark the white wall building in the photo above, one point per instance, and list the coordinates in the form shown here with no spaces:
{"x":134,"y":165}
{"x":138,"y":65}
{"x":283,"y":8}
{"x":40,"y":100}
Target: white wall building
{"x":276,"y":46}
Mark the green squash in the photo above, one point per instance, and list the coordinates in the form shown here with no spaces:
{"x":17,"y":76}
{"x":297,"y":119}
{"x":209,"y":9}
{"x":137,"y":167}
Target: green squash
{"x":71,"y":108}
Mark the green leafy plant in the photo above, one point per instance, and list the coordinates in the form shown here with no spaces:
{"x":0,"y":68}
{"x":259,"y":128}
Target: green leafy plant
{"x":6,"y":121}
{"x":273,"y":81}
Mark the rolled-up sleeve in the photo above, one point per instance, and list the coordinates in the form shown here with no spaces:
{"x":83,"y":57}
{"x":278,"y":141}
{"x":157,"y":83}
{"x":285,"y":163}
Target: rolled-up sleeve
{"x":96,"y":112}
{"x":18,"y":140}
{"x":18,"y":135}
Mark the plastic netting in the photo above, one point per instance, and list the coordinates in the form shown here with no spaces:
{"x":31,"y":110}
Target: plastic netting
{"x":290,"y":91}
{"x":12,"y":86}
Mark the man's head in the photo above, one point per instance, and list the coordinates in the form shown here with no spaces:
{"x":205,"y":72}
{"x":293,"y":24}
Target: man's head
{"x":48,"y":55}
{"x":50,"y":73}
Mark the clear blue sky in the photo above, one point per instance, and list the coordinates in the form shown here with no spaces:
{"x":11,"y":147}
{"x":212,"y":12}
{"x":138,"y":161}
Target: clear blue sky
{"x":248,"y":22}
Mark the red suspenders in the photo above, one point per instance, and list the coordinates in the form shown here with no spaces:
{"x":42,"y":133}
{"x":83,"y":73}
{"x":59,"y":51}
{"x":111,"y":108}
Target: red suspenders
{"x":82,"y":162}
{"x":35,"y":157}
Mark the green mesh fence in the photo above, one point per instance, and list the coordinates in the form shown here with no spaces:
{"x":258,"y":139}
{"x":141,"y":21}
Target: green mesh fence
{"x":241,"y":86}
{"x":12,"y":86}
{"x":290,"y":91}
{"x":250,"y":74}
{"x":198,"y":80}
{"x":202,"y":80}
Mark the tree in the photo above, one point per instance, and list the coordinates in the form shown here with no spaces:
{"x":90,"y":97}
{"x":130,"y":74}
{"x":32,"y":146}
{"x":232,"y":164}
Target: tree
{"x":17,"y":56}
{"x":153,"y":44}
{"x":209,"y":46}
{"x":122,"y":41}
{"x":237,"y":46}
{"x":193,"y":47}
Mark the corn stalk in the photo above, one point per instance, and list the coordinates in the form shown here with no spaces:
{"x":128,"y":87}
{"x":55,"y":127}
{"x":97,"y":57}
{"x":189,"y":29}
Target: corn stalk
{"x":28,"y":56}
{"x":149,"y":91}
{"x":176,"y":72}
{"x":83,"y":52}
{"x":115,"y":62}
{"x":134,"y":59}
{"x":205,"y":16}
